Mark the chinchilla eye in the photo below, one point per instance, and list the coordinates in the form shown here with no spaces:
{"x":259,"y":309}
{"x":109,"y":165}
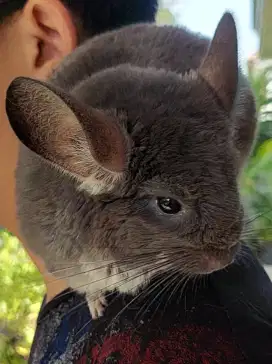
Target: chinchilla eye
{"x":168,"y":205}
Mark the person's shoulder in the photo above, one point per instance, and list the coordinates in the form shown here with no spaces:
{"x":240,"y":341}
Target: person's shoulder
{"x":245,"y":290}
{"x":61,"y":327}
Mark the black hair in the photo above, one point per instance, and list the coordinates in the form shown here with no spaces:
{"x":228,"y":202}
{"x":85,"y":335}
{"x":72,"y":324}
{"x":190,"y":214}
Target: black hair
{"x":9,"y":7}
{"x":96,"y":16}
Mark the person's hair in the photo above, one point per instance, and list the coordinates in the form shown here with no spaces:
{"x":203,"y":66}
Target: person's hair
{"x":95,"y":16}
{"x":9,"y":7}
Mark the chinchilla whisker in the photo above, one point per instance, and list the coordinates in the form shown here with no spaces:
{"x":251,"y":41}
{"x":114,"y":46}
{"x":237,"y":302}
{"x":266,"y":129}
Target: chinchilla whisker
{"x":204,"y":280}
{"x":177,"y":285}
{"x":153,"y":267}
{"x":80,"y":273}
{"x":119,"y":311}
{"x":258,"y":241}
{"x":197,"y":278}
{"x":100,"y":291}
{"x":84,"y":302}
{"x":186,"y":281}
{"x":245,"y":257}
{"x":75,"y":267}
{"x":125,"y":280}
{"x":175,"y":272}
{"x":255,"y":230}
{"x":107,"y":262}
{"x":250,"y":219}
{"x":264,"y":241}
{"x":243,"y":253}
{"x":184,"y":284}
{"x":127,"y":260}
{"x":102,"y":279}
{"x":248,"y":234}
{"x":255,"y":217}
{"x":165,"y":279}
{"x":76,"y":263}
{"x":78,"y":306}
{"x":151,"y":289}
{"x":124,"y":308}
{"x":256,"y":309}
{"x":172,"y":283}
{"x":55,"y":280}
{"x":83,"y":327}
{"x":233,"y":222}
{"x":70,"y":292}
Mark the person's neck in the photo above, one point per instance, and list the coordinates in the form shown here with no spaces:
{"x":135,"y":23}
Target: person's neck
{"x":8,"y":220}
{"x":8,"y":158}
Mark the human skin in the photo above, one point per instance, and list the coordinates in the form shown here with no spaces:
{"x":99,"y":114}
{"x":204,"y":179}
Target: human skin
{"x":32,"y":44}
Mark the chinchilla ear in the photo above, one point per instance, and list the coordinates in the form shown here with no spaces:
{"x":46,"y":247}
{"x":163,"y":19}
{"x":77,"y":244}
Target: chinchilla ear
{"x":78,"y":139}
{"x":220,"y":65}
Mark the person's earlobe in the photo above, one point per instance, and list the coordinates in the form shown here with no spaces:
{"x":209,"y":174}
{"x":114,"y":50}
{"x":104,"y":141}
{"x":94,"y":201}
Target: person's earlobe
{"x":55,"y":32}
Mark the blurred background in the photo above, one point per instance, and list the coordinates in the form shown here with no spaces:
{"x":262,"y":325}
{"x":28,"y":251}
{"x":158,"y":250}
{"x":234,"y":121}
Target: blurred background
{"x":22,"y":288}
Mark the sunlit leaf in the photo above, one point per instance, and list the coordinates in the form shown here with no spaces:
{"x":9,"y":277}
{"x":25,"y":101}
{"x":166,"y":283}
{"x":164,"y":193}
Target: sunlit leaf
{"x":165,"y":17}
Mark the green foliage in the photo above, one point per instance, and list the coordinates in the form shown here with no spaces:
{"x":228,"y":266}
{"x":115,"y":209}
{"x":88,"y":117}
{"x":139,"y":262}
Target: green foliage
{"x":165,"y":17}
{"x":257,"y":179}
{"x":20,"y":298}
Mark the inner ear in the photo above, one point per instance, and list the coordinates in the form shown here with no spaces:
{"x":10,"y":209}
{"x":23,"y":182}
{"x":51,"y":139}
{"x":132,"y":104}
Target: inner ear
{"x":47,"y":126}
{"x":75,"y":137}
{"x":220,"y":65}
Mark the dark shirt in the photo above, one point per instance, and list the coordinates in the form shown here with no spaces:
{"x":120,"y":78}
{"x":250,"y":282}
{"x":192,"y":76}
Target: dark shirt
{"x":225,"y":318}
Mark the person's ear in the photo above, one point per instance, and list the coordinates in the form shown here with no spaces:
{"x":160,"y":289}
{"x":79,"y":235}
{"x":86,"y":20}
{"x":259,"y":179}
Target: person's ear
{"x":53,"y":34}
